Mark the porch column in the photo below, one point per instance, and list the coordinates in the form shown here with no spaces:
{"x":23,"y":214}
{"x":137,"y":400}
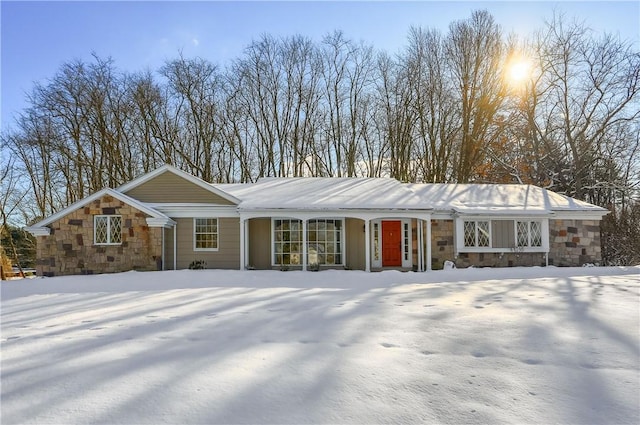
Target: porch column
{"x":162,"y":256}
{"x":428,"y":259}
{"x":419,"y":224}
{"x":367,"y":246}
{"x":243,"y":246}
{"x":175,"y":250}
{"x":304,"y":245}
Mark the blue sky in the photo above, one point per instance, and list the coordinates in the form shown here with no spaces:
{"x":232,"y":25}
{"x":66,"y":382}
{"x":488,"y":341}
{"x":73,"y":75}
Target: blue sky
{"x":37,"y":37}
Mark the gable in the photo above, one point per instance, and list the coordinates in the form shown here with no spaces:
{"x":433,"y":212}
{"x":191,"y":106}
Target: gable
{"x":168,"y":187}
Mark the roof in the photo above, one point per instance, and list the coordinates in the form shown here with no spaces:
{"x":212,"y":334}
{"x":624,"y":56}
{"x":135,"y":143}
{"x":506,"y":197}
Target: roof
{"x":97,"y":195}
{"x":499,"y":199}
{"x":325,"y":193}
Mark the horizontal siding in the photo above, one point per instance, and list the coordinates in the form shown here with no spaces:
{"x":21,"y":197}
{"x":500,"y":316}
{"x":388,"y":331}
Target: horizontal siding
{"x":355,"y":258}
{"x":228,"y":254}
{"x":260,"y":243}
{"x":168,"y":249}
{"x":168,"y":187}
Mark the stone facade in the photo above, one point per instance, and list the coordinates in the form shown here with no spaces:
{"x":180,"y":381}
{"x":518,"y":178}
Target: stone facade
{"x":500,"y":259}
{"x":70,"y":249}
{"x":574,"y":242}
{"x":442,"y":244}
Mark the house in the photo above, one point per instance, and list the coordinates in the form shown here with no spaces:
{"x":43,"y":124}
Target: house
{"x":169,"y":219}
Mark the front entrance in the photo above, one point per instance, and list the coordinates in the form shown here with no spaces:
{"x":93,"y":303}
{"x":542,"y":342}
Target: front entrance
{"x":391,"y":243}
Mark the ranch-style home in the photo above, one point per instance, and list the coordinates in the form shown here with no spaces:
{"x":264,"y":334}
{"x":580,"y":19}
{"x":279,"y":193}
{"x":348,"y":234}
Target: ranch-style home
{"x":168,"y":219}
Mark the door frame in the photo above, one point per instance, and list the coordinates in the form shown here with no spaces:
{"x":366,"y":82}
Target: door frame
{"x":376,"y":242}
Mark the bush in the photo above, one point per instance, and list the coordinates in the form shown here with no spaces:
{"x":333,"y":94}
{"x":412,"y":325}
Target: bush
{"x":198,"y":265}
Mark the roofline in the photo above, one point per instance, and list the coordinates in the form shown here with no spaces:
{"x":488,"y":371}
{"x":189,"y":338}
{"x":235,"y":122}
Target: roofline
{"x":189,"y":177}
{"x":106,"y":191}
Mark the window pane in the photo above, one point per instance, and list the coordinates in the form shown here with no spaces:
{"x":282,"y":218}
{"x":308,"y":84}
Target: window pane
{"x":116,"y":230}
{"x":523,"y":233}
{"x":100,"y":223}
{"x":536,"y":233}
{"x":469,"y":233}
{"x":483,"y":233}
{"x":206,"y":233}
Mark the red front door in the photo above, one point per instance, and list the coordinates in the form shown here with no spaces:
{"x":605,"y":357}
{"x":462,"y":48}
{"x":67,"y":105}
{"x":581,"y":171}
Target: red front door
{"x":391,"y":243}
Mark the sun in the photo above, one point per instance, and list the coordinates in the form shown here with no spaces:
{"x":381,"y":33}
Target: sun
{"x":519,"y":71}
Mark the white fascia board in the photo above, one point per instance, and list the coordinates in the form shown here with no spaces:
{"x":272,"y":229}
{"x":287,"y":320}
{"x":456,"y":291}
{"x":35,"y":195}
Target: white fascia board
{"x":579,"y":215}
{"x":332,"y":213}
{"x":97,"y":195}
{"x":191,"y":178}
{"x":38,"y":231}
{"x":197,"y":210}
{"x":160,"y":222}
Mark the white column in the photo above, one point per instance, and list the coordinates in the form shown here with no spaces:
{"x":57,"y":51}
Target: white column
{"x":242,"y":242}
{"x":367,"y":246}
{"x":162,"y":256}
{"x":304,"y":245}
{"x":428,"y":243}
{"x":175,"y":244}
{"x":419,"y":242}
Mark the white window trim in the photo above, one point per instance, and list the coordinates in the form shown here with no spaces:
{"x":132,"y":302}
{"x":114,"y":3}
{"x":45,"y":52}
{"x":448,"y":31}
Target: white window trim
{"x":528,"y":245}
{"x":461,"y":248}
{"x":342,"y":239}
{"x":217,"y":248}
{"x":95,"y":218}
{"x":273,"y":241}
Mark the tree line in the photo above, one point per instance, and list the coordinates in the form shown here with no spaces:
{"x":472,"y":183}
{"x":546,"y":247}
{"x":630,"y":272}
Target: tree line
{"x":442,"y":109}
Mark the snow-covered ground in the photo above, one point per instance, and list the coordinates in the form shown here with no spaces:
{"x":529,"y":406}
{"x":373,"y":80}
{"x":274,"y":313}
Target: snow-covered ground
{"x":536,"y":345}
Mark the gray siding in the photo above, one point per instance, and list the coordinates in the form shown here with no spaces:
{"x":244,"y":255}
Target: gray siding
{"x":168,"y":249}
{"x":260,"y":243}
{"x":503,"y":233}
{"x":355,"y":258}
{"x":228,"y":254}
{"x":168,"y":187}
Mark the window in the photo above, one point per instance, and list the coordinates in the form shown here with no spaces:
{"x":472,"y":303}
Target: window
{"x":205,"y":234}
{"x":406,"y":245}
{"x":376,"y":241}
{"x":529,"y":233}
{"x":287,"y":242}
{"x":107,"y":229}
{"x":324,"y":241}
{"x":476,"y":234}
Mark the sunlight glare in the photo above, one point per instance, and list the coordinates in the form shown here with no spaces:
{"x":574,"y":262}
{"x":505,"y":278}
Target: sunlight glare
{"x":519,"y":71}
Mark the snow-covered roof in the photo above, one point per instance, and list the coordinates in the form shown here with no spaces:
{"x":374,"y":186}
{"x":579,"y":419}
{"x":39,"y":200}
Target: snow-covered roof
{"x":498,"y":199}
{"x":325,"y":193}
{"x":329,"y":193}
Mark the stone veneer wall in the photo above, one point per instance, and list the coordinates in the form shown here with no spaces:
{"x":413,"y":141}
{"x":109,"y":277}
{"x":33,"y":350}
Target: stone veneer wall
{"x":574,"y":242}
{"x":498,"y":259}
{"x":442,"y":245}
{"x":69,"y":249}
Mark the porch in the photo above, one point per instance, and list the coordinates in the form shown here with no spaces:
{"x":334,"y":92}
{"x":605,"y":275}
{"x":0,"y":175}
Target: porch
{"x":325,"y":240}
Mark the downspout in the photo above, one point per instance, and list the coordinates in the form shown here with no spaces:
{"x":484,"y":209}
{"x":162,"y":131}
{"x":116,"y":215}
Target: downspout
{"x":175,"y":251}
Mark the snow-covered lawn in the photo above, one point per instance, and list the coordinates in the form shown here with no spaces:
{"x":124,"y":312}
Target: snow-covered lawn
{"x":536,"y":345}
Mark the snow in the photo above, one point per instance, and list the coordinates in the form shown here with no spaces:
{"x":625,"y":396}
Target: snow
{"x":324,"y":193}
{"x":515,"y":345}
{"x":498,"y":199}
{"x":330,"y":193}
